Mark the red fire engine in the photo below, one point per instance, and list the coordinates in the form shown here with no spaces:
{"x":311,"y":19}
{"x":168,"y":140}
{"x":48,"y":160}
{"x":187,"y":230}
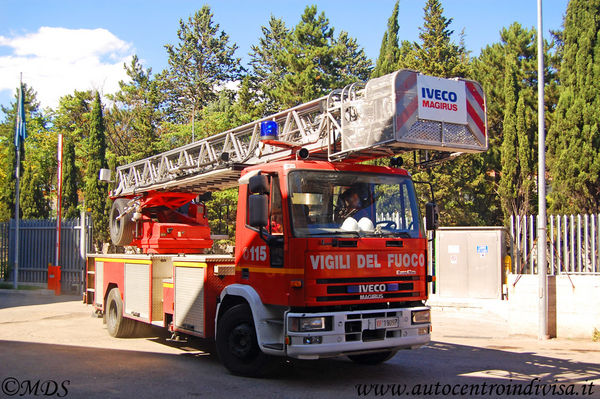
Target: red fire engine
{"x":331,"y":255}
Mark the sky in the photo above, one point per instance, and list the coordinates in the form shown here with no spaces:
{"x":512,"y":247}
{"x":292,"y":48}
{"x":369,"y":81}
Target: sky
{"x":63,"y":45}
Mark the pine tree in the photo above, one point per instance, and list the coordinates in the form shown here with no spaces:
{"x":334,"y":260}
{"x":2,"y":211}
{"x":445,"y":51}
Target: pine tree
{"x":389,"y":52}
{"x":512,"y":113}
{"x":96,"y":192}
{"x":201,"y":63}
{"x":267,"y":70}
{"x":132,"y":122}
{"x":33,"y":203}
{"x":574,"y":137}
{"x":70,"y":199}
{"x":436,"y":54}
{"x":315,"y":61}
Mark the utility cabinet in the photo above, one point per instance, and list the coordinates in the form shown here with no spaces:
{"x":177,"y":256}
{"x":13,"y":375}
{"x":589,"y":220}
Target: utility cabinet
{"x":470,"y":262}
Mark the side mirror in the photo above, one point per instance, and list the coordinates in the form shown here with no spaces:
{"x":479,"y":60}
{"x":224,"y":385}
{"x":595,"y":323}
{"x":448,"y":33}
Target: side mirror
{"x":104,"y":176}
{"x":258,"y":210}
{"x":259,"y":184}
{"x":432,"y":216}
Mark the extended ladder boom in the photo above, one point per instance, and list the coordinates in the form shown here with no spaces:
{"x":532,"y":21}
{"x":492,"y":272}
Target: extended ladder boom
{"x":398,"y":112}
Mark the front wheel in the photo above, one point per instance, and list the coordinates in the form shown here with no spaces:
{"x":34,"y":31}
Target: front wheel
{"x":237,"y":344}
{"x":373,"y":358}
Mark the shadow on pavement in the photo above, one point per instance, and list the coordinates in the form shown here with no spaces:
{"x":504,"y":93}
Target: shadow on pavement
{"x":197,"y":371}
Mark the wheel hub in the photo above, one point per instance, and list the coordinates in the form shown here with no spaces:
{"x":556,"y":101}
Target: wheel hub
{"x":240,"y":340}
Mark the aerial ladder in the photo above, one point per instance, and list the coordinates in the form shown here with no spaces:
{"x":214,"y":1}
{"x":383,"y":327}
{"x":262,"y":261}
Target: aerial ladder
{"x":399,"y":112}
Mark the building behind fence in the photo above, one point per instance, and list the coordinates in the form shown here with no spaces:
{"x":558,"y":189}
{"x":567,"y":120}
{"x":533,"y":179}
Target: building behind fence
{"x":37,"y":248}
{"x":573,"y":245}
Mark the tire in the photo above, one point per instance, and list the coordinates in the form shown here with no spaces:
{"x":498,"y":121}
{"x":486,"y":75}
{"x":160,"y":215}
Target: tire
{"x":373,"y":358}
{"x":237,"y":345}
{"x":117,"y":325}
{"x":122,"y":230}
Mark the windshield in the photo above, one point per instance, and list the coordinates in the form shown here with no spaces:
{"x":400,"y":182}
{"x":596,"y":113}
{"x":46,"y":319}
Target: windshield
{"x":350,"y":203}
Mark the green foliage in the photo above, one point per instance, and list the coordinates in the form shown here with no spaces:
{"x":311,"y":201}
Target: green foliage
{"x":574,"y":137}
{"x":507,"y":71}
{"x":315,"y":61}
{"x":132,"y":122}
{"x":35,"y":121}
{"x":389,"y":53}
{"x":267,"y":68}
{"x":436,"y":54}
{"x":96,"y":192}
{"x":202,"y":62}
{"x":70,"y":198}
{"x":34,"y":204}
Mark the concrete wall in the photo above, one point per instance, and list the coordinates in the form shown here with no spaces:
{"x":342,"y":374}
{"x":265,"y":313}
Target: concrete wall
{"x":573,"y":305}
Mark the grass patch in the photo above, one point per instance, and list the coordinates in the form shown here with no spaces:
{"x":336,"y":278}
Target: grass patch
{"x":9,"y":286}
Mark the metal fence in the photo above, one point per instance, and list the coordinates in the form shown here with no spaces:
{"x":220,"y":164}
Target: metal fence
{"x":37,"y":247}
{"x":573,"y":244}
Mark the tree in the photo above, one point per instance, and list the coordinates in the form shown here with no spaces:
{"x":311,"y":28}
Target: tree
{"x":315,"y":61}
{"x":70,"y":198}
{"x":133,"y":120}
{"x":389,"y":53}
{"x":267,"y":69}
{"x":34,"y":204}
{"x":507,"y":71}
{"x":518,"y":164}
{"x":202,"y":62}
{"x":464,"y":192}
{"x":574,"y":137}
{"x":34,"y":119}
{"x":436,"y":54}
{"x":96,"y":192}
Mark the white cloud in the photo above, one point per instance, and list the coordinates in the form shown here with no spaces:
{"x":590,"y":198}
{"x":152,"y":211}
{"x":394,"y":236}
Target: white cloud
{"x":56,"y":61}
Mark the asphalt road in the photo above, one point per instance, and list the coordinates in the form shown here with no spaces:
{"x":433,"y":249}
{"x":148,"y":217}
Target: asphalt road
{"x":56,"y":341}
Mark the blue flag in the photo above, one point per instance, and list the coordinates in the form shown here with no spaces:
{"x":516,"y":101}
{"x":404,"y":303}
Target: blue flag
{"x":20,"y":129}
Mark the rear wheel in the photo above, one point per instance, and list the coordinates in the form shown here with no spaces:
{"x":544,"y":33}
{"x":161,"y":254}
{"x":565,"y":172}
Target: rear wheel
{"x":237,"y":344}
{"x":373,"y":358}
{"x":122,"y":230}
{"x":117,"y":325}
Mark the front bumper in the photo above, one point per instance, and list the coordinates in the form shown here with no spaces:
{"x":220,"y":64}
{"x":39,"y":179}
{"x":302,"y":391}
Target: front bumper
{"x":356,"y":332}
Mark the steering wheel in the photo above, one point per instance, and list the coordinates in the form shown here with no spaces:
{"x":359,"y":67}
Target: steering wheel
{"x":388,"y":224}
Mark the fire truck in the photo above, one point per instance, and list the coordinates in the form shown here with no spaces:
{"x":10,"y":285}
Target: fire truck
{"x":331,"y":254}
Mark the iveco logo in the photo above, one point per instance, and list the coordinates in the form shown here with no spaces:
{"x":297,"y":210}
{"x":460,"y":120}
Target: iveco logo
{"x":371,"y":288}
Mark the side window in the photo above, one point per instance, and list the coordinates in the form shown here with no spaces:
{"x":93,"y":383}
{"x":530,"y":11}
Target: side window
{"x":276,"y":210}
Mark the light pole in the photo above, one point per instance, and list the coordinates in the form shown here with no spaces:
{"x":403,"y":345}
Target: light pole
{"x":541,"y":229}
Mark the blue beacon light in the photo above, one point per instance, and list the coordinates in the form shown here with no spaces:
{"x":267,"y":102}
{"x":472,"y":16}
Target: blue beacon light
{"x":268,"y":130}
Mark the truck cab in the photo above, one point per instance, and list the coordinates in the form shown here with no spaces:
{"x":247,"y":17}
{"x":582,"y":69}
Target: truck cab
{"x":335,"y":258}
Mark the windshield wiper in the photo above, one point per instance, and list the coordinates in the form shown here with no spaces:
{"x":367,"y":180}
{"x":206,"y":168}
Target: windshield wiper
{"x":402,"y":234}
{"x":323,"y":233}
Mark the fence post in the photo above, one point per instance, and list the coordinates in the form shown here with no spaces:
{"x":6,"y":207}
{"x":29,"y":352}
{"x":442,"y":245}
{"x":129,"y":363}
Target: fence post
{"x":578,"y":243}
{"x":532,"y":241}
{"x":593,"y":239}
{"x":552,"y":245}
{"x":559,"y":262}
{"x":572,"y":243}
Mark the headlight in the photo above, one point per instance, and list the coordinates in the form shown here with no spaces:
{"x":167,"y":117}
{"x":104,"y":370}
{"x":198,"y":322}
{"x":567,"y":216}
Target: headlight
{"x":301,"y":324}
{"x":422,"y":316}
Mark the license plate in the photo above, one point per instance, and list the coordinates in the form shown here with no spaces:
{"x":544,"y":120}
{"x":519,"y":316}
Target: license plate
{"x":392,"y":322}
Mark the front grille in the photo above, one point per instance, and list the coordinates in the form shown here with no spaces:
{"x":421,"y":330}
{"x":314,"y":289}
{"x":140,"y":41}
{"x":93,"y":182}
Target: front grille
{"x":355,"y":329}
{"x":344,"y":289}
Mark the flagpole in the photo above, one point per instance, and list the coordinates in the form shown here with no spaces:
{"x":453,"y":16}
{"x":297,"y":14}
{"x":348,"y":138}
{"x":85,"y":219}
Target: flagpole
{"x":17,"y":193}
